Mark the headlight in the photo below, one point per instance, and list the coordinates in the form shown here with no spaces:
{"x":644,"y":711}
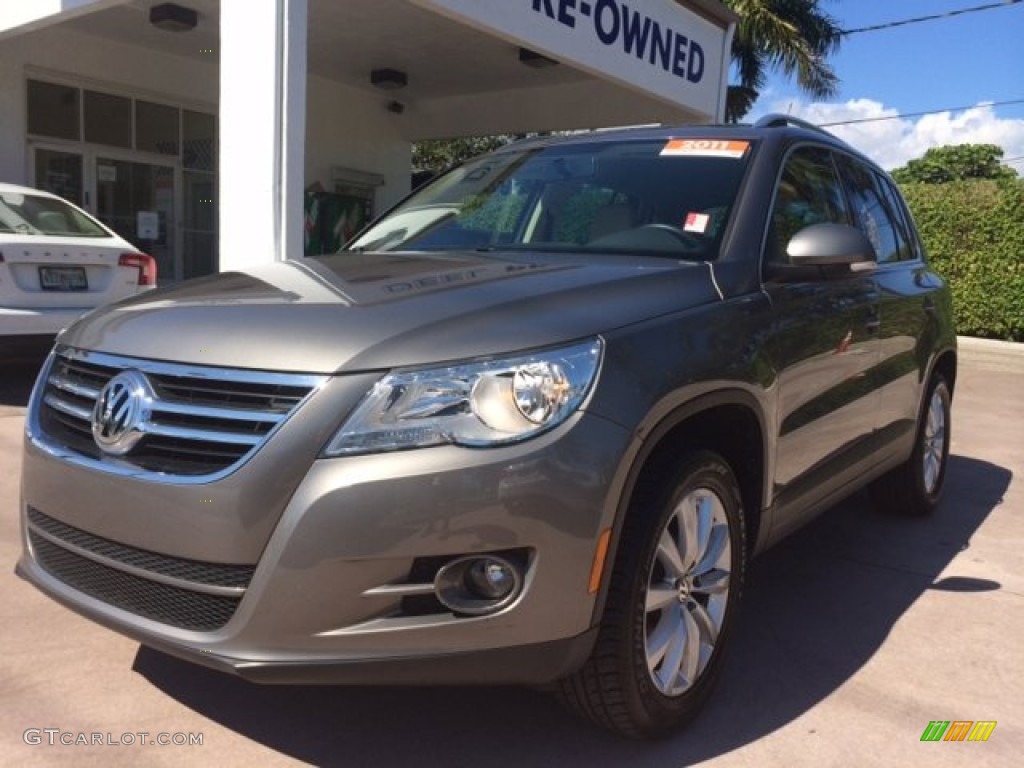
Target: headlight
{"x":475,"y":404}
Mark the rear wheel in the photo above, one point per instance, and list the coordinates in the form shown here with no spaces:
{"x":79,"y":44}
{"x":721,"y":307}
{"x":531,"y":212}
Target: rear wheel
{"x":671,"y":604}
{"x":915,"y":487}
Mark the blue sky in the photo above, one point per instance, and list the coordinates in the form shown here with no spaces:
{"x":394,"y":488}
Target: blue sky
{"x":969,"y":59}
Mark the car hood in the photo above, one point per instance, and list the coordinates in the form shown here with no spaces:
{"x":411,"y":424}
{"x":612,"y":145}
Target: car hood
{"x":362,"y":311}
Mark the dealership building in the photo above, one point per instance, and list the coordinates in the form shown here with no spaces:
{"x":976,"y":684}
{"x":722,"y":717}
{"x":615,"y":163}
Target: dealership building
{"x":255,"y":130}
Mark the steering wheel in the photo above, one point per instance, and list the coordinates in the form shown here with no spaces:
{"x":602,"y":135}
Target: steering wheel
{"x":690,"y":241}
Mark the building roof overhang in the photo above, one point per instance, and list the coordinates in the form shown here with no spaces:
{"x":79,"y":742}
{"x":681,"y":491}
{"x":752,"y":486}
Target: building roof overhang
{"x":462,"y":58}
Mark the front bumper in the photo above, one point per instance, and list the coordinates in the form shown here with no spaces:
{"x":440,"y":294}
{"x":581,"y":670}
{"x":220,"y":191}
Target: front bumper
{"x":314,"y":610}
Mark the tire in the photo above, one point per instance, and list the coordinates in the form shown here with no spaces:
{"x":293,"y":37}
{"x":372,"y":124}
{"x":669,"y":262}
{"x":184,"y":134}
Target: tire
{"x":666,"y":623}
{"x":914,"y":488}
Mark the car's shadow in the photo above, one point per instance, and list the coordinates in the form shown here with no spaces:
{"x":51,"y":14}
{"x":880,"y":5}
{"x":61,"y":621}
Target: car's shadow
{"x":818,"y":607}
{"x":18,"y":374}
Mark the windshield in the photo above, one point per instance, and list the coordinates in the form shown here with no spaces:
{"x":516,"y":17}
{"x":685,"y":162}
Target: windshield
{"x":668,"y":198}
{"x":36,"y":215}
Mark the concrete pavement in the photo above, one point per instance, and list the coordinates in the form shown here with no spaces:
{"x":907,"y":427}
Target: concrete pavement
{"x":855,"y":633}
{"x":990,"y":355}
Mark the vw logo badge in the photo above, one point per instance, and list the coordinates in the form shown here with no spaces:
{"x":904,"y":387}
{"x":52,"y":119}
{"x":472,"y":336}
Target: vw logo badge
{"x":119,"y":412}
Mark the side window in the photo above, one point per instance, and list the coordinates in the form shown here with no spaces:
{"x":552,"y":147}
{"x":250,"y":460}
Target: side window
{"x":808,"y":192}
{"x":873,"y":213}
{"x":902,"y":215}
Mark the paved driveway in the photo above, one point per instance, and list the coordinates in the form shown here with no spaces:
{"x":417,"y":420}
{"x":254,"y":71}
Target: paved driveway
{"x":856,"y":633}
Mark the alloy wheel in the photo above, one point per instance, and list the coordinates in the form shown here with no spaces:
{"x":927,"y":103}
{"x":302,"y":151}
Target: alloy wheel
{"x":934,"y":438}
{"x":687,"y":592}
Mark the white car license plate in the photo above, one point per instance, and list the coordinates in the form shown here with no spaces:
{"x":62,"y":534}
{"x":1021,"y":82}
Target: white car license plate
{"x":63,"y":279}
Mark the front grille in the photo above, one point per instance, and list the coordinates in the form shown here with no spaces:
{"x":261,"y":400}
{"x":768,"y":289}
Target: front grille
{"x":118,"y":576}
{"x":201,"y":420}
{"x":195,"y":571}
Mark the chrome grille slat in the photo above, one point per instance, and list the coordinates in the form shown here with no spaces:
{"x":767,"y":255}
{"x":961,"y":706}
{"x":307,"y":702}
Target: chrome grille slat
{"x":201,"y":421}
{"x":199,"y":394}
{"x":210,"y":412}
{"x":65,"y":407}
{"x":202,"y":435}
{"x":67,"y":385}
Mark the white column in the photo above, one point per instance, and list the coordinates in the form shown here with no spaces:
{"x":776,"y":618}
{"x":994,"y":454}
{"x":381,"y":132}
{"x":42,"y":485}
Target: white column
{"x":262,"y":130}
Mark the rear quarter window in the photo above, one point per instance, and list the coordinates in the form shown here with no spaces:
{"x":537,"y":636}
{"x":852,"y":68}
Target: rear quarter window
{"x":873,"y":212}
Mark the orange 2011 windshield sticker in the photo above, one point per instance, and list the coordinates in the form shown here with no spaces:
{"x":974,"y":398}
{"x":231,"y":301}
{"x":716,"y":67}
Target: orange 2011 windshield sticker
{"x":705,"y":148}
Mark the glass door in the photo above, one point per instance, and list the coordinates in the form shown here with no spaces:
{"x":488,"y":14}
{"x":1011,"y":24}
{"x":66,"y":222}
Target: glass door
{"x":200,"y":224}
{"x":136,"y":200}
{"x":61,"y":173}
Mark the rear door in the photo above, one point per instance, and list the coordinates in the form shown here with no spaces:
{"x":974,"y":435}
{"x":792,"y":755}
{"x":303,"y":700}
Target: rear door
{"x":824,"y":342}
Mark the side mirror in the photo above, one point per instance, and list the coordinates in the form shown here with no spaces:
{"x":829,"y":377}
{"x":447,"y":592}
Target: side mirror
{"x":821,"y":251}
{"x":822,"y":245}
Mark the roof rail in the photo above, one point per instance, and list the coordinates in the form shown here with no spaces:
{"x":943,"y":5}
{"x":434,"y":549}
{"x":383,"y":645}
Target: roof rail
{"x":778,"y":120}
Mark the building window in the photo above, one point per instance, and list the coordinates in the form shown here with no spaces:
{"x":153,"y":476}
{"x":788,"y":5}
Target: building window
{"x":108,"y":119}
{"x":53,"y":110}
{"x":60,"y":111}
{"x":200,"y":143}
{"x":60,"y":173}
{"x":172,"y":146}
{"x":156,"y":128}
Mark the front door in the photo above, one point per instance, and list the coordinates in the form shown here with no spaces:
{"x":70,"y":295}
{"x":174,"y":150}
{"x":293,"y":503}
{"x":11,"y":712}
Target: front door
{"x":137,"y":200}
{"x":825,"y":346}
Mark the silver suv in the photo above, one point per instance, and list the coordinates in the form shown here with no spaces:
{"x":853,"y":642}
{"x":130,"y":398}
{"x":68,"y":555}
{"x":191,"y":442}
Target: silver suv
{"x":529,"y":427}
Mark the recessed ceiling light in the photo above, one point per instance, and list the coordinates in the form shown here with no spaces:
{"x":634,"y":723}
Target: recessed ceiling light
{"x":173,"y":18}
{"x":389,"y":79}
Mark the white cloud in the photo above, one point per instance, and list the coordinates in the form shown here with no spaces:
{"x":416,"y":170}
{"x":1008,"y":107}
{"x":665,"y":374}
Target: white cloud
{"x":893,"y":142}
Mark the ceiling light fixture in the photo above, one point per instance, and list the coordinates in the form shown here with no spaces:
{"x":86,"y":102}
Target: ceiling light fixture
{"x":389,"y":79}
{"x":535,"y":60}
{"x":173,"y":18}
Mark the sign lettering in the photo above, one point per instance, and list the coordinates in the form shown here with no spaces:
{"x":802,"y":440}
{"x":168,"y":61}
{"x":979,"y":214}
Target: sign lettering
{"x":662,"y":48}
{"x":615,"y":24}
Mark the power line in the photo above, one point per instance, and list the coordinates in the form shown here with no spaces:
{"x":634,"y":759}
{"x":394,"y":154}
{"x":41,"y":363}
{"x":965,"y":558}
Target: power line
{"x":921,"y":114}
{"x":933,"y":17}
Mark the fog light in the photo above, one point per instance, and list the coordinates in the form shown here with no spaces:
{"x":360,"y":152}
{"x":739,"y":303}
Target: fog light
{"x":490,"y":578}
{"x":478,"y":584}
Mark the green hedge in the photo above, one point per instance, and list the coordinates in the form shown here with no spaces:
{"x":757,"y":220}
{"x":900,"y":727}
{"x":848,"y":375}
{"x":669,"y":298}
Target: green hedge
{"x":974,"y":233}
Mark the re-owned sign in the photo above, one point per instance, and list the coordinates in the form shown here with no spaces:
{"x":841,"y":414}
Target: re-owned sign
{"x":615,"y":24}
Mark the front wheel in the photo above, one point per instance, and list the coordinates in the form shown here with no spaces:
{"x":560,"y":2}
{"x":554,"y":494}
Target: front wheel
{"x":915,"y":487}
{"x":671,"y":604}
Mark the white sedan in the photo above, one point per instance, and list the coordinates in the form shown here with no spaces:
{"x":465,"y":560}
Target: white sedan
{"x":57,"y":262}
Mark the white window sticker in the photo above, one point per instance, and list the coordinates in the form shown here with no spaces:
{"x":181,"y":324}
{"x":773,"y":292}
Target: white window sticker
{"x":697,"y":222}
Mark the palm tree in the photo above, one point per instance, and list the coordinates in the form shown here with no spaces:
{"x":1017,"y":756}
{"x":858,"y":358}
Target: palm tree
{"x":792,"y":35}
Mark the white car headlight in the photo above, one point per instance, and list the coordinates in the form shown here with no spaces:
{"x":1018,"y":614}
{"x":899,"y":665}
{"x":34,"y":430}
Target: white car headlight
{"x":473,"y":404}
